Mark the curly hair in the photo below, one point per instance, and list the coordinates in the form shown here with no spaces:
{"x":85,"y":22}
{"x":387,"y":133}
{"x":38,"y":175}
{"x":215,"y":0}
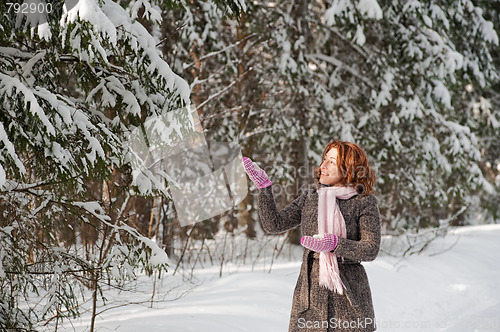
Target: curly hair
{"x":353,"y":165}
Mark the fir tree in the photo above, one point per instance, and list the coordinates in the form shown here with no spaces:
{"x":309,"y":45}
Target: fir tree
{"x":75,"y":81}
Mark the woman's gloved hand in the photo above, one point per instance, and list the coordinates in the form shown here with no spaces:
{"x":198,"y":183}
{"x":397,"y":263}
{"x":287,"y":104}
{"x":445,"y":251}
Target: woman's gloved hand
{"x":257,"y":175}
{"x":320,"y":243}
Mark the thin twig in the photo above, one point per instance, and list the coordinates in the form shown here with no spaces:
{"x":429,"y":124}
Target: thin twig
{"x":211,"y":54}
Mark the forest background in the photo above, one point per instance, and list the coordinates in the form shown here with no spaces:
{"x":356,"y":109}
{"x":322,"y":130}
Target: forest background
{"x":415,"y":83}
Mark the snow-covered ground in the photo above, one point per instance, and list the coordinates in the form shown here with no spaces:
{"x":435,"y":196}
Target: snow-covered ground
{"x":453,"y":286}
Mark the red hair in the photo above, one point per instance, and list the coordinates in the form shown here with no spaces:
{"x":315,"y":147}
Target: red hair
{"x":353,"y":165}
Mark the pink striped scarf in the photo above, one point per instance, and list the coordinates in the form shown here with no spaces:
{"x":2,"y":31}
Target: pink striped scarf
{"x":331,"y":221}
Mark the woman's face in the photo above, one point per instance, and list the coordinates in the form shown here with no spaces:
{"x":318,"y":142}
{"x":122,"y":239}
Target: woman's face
{"x":330,"y":174}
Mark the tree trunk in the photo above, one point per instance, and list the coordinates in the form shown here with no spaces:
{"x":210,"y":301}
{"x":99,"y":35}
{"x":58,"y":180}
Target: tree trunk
{"x":300,"y":145}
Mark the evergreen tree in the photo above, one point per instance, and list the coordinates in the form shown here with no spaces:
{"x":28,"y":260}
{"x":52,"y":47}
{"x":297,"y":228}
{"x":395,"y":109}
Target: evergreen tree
{"x":393,"y":76}
{"x":421,"y":58}
{"x":75,"y":81}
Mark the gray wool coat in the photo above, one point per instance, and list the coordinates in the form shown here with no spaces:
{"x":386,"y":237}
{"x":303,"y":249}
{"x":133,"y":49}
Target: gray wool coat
{"x":315,"y":308}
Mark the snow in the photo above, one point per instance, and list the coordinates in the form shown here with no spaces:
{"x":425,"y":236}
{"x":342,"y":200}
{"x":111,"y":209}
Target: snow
{"x":3,"y":177}
{"x":128,"y":97}
{"x":385,"y":94}
{"x":34,"y":19}
{"x":88,"y":10}
{"x":13,"y":86}
{"x":93,"y":208}
{"x":150,"y":13}
{"x":58,"y":152}
{"x":370,"y":8}
{"x":243,"y":5}
{"x":112,"y":23}
{"x":28,"y":67}
{"x":411,"y":108}
{"x":489,"y":33}
{"x":438,"y":14}
{"x":11,"y":151}
{"x":117,"y":15}
{"x":158,"y":256}
{"x":427,"y":20}
{"x":442,"y":94}
{"x":452,"y":286}
{"x":359,"y":37}
{"x":338,"y":8}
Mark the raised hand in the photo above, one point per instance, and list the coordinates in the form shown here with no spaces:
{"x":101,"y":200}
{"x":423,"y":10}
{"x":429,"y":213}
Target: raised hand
{"x":257,"y":175}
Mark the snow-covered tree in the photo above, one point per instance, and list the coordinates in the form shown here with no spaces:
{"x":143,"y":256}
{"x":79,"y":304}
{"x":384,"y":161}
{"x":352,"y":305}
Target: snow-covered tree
{"x":393,"y":76}
{"x":75,"y":81}
{"x":416,"y":61}
{"x":485,"y":107}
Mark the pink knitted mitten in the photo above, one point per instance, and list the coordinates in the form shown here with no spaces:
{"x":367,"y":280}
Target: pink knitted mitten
{"x":326,"y":243}
{"x":258,"y":176}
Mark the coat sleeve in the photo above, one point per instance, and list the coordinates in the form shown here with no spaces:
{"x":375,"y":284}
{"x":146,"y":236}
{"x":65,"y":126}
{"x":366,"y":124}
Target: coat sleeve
{"x":368,"y":246}
{"x":274,"y":221}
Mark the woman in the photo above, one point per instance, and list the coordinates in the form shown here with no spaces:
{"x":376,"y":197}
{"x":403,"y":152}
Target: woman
{"x":340,"y":221}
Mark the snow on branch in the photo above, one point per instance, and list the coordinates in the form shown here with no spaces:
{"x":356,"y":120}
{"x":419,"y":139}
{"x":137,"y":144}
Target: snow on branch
{"x":142,"y":40}
{"x":150,"y":13}
{"x":11,"y":151}
{"x":338,"y":63}
{"x":158,"y":257}
{"x":12,"y":86}
{"x":89,"y":11}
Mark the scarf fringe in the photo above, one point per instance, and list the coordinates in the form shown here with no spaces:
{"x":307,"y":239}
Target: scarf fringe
{"x":329,"y":275}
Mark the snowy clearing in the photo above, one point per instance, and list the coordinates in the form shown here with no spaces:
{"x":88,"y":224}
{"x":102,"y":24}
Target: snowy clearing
{"x":453,"y":286}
